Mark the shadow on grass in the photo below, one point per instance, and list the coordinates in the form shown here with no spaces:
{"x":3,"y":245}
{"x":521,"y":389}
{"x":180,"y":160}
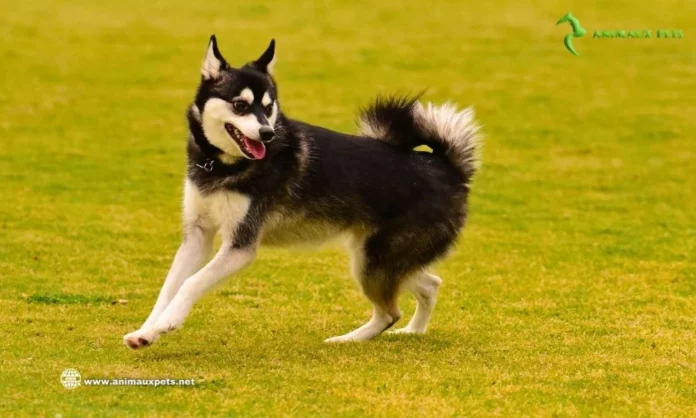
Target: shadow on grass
{"x":67,"y":299}
{"x":214,"y":350}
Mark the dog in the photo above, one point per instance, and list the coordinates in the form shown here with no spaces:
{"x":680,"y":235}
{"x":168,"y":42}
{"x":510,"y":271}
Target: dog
{"x":258,"y":177}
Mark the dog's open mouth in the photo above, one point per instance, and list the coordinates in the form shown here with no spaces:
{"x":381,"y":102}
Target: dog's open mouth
{"x":253,"y":149}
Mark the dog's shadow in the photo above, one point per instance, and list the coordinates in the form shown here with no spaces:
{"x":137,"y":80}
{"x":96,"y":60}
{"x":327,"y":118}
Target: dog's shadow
{"x":387,"y":347}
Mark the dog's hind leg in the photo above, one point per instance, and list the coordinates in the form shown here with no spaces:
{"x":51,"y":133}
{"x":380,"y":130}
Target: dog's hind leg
{"x":385,"y":313}
{"x":395,"y":257}
{"x":424,"y":287}
{"x":380,"y":286}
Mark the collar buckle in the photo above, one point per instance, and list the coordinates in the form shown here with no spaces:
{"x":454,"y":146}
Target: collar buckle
{"x":208,"y":166}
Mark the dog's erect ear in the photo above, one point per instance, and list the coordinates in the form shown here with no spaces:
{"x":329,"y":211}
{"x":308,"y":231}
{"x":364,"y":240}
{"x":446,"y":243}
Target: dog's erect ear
{"x":213,"y":62}
{"x":267,"y":60}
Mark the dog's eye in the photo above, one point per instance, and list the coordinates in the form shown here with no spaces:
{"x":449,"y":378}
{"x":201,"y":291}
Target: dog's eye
{"x":240,"y":106}
{"x":269,"y":110}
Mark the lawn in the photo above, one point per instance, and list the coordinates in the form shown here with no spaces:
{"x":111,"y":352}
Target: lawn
{"x":572,"y":291}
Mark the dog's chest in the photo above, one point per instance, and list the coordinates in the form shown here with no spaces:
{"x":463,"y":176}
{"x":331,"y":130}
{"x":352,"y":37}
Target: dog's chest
{"x":227,"y":208}
{"x":223,"y":209}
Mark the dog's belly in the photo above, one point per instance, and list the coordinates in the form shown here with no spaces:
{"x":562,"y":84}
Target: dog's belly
{"x":282,"y":230}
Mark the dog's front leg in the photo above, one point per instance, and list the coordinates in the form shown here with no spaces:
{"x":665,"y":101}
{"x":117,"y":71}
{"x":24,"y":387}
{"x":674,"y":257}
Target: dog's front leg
{"x":229,"y":260}
{"x":192,"y":253}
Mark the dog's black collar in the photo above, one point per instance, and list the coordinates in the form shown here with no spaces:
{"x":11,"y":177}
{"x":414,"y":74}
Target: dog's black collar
{"x":206,"y":160}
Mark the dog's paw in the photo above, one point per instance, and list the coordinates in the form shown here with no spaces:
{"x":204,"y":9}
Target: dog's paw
{"x":340,"y":339}
{"x":139,"y":339}
{"x":165,"y":326}
{"x":170,"y":320}
{"x":406,"y":330}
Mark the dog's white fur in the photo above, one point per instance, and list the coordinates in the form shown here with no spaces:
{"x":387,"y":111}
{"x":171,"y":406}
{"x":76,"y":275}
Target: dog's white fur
{"x":424,"y":287}
{"x":216,"y":113}
{"x":270,"y":68}
{"x":266,"y":100}
{"x":247,"y":95}
{"x":211,"y":64}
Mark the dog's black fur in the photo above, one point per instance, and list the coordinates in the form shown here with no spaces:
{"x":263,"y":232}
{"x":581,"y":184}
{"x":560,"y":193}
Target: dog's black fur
{"x":411,"y":204}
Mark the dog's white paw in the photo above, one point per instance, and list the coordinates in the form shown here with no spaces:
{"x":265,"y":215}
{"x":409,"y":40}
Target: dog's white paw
{"x":406,"y":330}
{"x":339,"y":339}
{"x":140,"y":338}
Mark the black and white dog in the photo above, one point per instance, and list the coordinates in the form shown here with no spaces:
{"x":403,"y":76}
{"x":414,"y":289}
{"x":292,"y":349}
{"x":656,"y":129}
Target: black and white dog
{"x":257,"y":177}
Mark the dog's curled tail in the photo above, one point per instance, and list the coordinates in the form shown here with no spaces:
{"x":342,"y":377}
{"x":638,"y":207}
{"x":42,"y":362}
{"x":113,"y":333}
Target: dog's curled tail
{"x":405,"y":123}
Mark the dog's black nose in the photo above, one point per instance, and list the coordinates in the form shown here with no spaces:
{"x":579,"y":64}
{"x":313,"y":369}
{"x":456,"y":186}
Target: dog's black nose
{"x":266,"y":133}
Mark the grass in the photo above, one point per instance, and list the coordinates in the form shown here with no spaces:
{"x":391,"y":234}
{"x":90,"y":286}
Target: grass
{"x":65,"y":299}
{"x":571,"y":293}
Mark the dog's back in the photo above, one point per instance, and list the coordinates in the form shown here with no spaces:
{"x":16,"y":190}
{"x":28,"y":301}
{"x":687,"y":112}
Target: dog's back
{"x":372,"y":180}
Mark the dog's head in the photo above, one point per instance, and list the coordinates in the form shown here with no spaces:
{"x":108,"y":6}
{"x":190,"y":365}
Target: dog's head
{"x":237,"y":107}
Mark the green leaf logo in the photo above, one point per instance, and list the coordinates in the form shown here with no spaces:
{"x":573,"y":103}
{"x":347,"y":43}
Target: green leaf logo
{"x":578,"y":31}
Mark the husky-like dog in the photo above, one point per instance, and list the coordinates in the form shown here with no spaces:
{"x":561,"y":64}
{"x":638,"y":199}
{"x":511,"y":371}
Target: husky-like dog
{"x":258,"y":177}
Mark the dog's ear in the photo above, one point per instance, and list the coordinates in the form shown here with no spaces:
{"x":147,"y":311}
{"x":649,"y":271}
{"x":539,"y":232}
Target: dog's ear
{"x":213,"y":62}
{"x":266,"y":62}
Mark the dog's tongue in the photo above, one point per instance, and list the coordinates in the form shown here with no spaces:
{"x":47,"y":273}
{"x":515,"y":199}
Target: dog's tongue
{"x":258,"y":149}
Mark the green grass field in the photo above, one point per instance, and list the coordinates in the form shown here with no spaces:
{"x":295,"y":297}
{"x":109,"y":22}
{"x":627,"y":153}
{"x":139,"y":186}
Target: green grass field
{"x":571,"y":293}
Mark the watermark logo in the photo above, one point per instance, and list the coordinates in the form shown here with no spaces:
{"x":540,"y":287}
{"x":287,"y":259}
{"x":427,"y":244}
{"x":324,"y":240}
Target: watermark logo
{"x":641,"y":33}
{"x":578,"y":31}
{"x":70,"y":379}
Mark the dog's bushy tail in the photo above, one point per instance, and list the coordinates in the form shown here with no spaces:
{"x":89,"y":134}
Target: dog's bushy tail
{"x":406,"y":123}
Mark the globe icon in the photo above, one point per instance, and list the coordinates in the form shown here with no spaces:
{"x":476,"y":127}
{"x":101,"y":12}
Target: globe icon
{"x":70,"y":378}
